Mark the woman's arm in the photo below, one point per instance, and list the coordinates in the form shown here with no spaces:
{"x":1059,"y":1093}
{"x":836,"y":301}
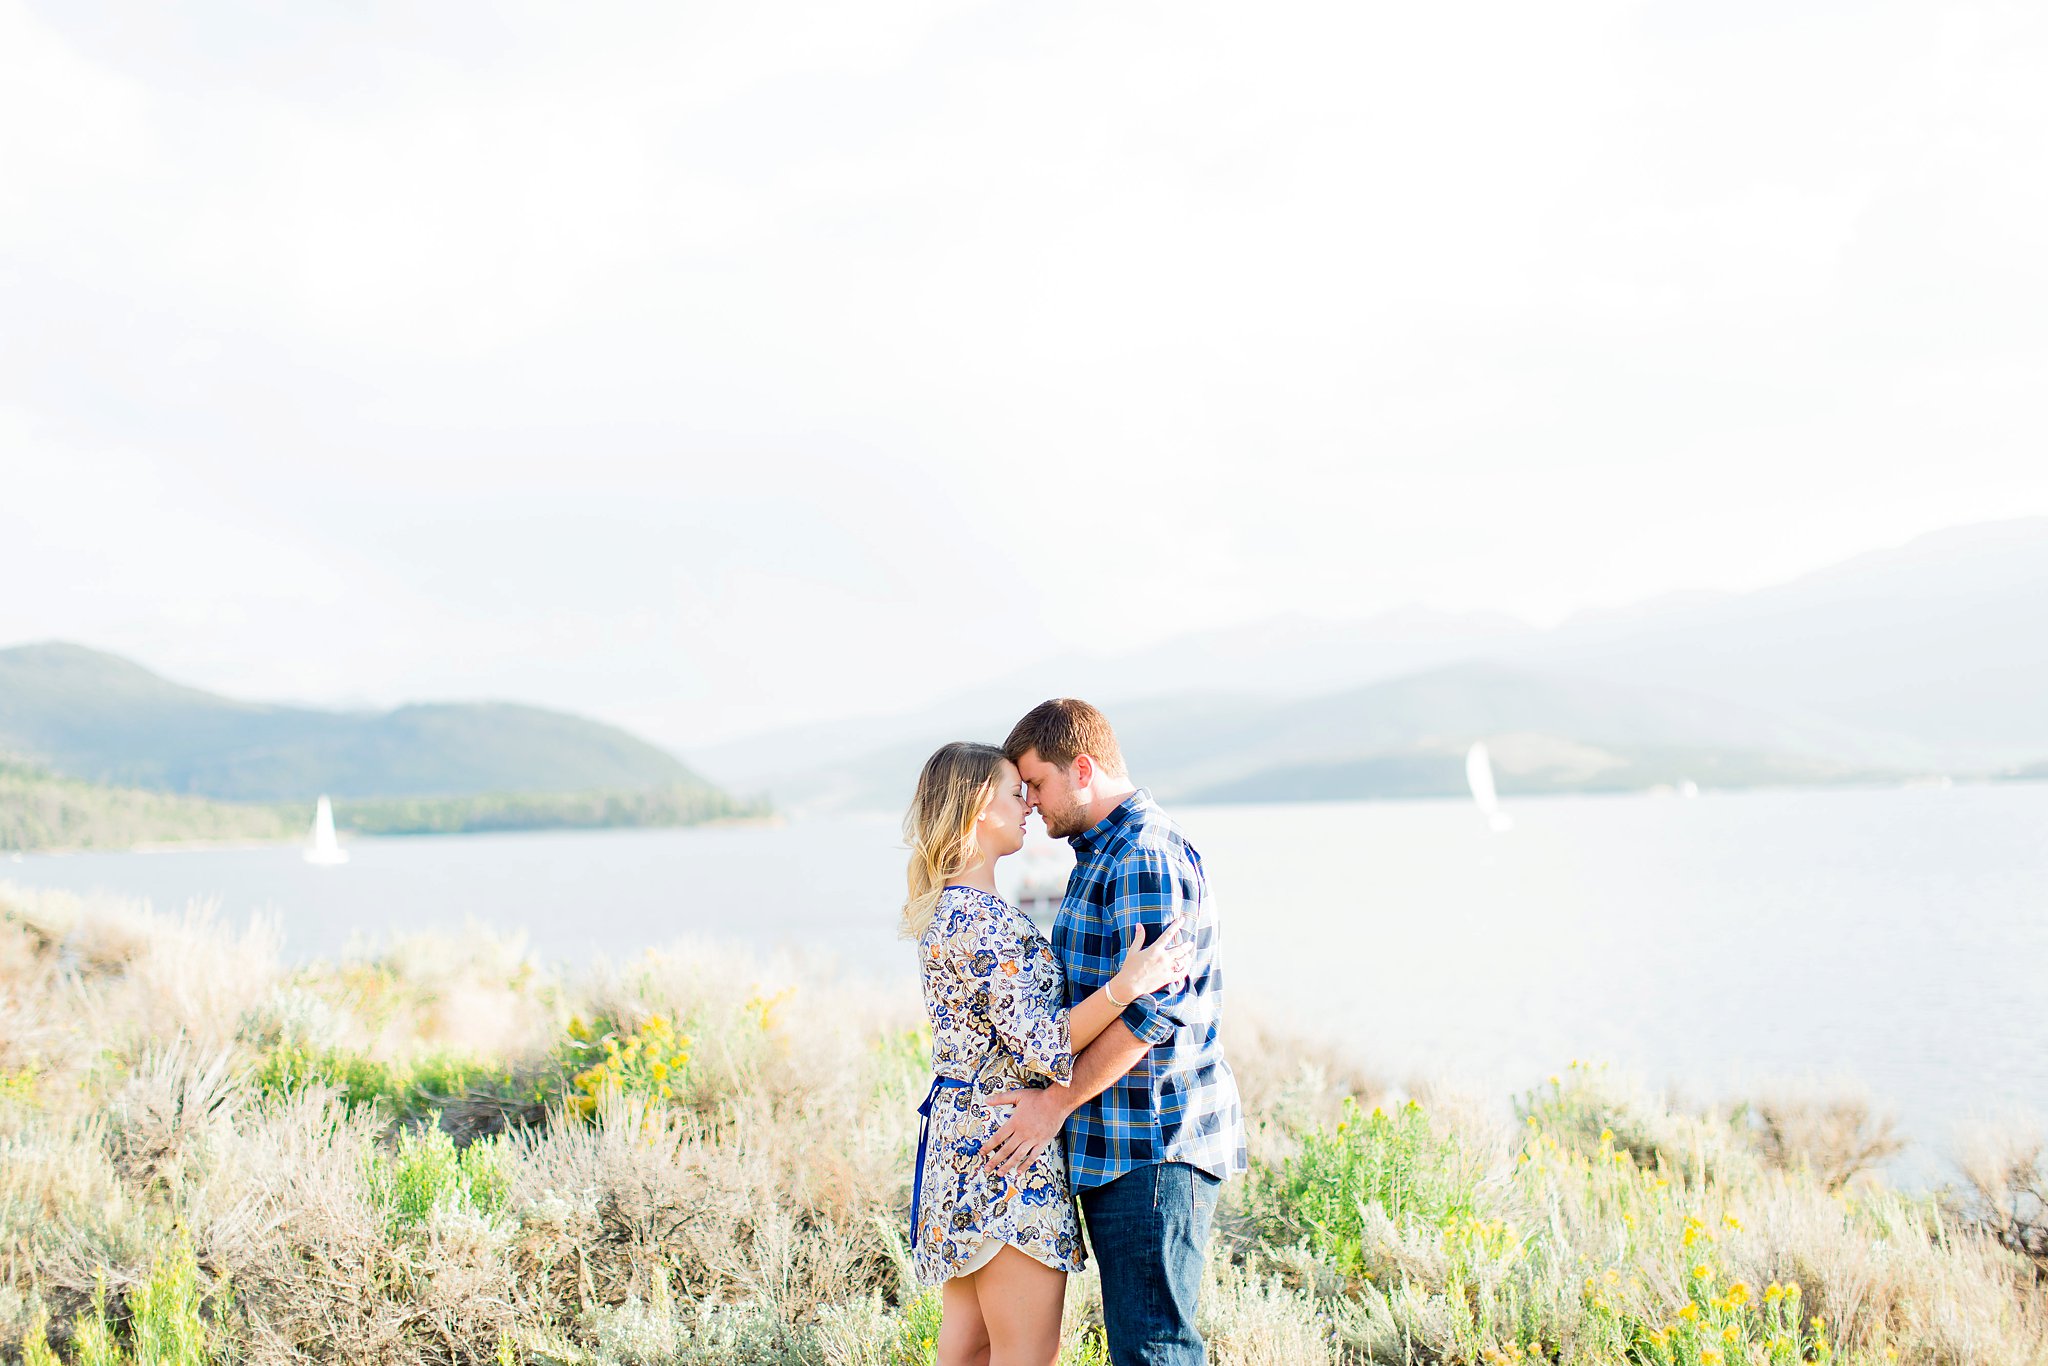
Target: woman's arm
{"x":1143,"y":971}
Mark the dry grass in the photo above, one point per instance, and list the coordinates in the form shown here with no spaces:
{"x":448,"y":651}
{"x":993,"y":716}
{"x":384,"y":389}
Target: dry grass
{"x":748,"y":1209}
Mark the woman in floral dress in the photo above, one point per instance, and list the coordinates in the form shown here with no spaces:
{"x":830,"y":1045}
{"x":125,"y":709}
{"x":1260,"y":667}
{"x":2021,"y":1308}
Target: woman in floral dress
{"x":999,"y":1246}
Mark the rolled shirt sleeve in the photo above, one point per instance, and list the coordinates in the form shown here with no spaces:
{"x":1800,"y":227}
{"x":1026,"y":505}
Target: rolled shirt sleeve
{"x":1147,"y":890}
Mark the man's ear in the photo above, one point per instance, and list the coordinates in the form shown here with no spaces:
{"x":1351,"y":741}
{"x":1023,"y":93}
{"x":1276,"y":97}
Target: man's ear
{"x":1084,"y":771}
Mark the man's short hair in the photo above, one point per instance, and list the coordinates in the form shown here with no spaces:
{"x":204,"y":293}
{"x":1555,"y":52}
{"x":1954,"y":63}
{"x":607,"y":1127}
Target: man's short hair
{"x":1063,"y":728}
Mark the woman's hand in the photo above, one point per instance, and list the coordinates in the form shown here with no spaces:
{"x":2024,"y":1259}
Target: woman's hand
{"x":1161,"y":963}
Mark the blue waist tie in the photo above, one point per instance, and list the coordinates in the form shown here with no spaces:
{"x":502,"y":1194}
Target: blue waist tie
{"x":924,"y":1126}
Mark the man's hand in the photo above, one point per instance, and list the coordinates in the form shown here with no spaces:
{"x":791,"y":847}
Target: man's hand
{"x":1034,"y":1122}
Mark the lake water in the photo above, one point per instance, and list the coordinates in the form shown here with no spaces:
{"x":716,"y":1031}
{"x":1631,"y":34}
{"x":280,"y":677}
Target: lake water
{"x":1896,"y":938}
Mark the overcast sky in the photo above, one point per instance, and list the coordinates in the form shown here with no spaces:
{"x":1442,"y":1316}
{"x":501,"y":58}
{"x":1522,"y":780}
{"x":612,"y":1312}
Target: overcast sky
{"x":715,"y":367}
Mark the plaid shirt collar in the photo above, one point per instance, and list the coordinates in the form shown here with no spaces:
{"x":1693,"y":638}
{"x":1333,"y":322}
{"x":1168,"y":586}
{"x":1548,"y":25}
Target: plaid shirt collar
{"x":1103,"y":832}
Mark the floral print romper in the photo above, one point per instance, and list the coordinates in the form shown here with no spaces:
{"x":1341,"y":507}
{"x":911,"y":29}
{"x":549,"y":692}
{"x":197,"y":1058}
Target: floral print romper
{"x":997,"y":1002}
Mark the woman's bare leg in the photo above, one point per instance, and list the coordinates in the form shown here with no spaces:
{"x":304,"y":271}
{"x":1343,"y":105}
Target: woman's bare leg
{"x":963,"y":1337}
{"x":1022,"y":1300}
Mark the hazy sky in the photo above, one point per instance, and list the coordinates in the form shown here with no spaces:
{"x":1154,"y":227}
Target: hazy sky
{"x":711,"y":367}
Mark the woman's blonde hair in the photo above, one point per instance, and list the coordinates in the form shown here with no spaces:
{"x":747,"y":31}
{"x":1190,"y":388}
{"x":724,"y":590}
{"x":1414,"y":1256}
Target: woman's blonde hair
{"x":955,"y":787}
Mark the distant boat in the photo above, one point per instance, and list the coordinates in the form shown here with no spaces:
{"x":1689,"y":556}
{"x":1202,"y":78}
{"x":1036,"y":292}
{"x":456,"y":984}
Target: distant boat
{"x":324,"y":850}
{"x":1479,"y":773}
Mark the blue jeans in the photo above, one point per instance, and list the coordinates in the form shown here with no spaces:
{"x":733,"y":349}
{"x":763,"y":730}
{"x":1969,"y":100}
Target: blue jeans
{"x":1148,"y":1229}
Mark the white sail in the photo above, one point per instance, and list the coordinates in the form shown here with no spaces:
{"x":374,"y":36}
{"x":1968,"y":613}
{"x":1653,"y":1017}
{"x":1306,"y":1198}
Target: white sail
{"x":1479,"y":774}
{"x":324,"y":849}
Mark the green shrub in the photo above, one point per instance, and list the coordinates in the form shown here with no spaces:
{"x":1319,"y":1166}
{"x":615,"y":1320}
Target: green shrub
{"x":1398,"y":1162}
{"x":411,"y":1091}
{"x":93,"y":1337}
{"x":164,"y":1319}
{"x":1091,"y":1348}
{"x":917,"y":1334}
{"x":425,"y":1170}
{"x":167,"y":1325}
{"x":35,"y":1342}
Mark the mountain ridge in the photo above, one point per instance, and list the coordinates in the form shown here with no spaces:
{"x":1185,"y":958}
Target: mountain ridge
{"x":1919,"y":658}
{"x":100,"y":717}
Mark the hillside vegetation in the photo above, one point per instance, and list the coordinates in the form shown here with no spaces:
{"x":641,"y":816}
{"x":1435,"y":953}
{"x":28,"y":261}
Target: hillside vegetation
{"x":447,"y":1153}
{"x":487,"y":811}
{"x":103,"y":719}
{"x":39,"y":810}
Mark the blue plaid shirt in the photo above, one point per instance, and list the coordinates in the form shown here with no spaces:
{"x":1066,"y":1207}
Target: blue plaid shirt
{"x":1178,"y":1103}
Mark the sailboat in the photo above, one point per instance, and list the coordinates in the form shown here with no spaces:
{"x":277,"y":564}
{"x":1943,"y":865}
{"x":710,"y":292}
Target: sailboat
{"x":324,"y":850}
{"x":1479,"y":774}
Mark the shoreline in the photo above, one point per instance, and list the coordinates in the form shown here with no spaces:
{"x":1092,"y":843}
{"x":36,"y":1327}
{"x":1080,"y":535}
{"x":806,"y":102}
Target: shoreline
{"x":772,"y":820}
{"x":778,"y":818}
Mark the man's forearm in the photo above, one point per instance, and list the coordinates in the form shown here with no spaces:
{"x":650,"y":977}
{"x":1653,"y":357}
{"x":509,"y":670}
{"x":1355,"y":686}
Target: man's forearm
{"x":1115,"y":1051}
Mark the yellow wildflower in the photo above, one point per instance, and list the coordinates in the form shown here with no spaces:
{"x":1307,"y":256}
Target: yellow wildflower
{"x":1703,"y":1272}
{"x":1732,"y":1222}
{"x":1690,"y":1313}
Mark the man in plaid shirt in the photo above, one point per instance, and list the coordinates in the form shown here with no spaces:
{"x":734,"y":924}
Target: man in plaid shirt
{"x":1151,"y":1117}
